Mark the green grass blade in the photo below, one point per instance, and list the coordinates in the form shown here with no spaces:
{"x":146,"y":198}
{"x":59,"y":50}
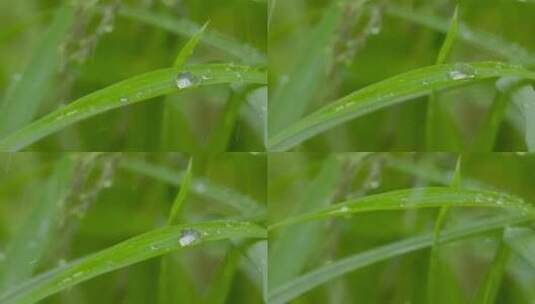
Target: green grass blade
{"x":200,"y":186}
{"x":493,"y":44}
{"x":315,"y":278}
{"x":220,"y":287}
{"x":524,"y":97}
{"x":433,"y":287}
{"x":406,"y":199}
{"x":434,"y":112}
{"x":293,"y":247}
{"x":29,"y":244}
{"x":491,"y":285}
{"x":522,"y":242}
{"x":241,"y":51}
{"x":167,"y":265}
{"x":389,"y":92}
{"x":173,"y":118}
{"x":488,"y":133}
{"x":290,"y":103}
{"x":127,"y":92}
{"x":220,"y":139}
{"x":181,"y":196}
{"x":140,"y":248}
{"x":187,"y":50}
{"x":447,"y":45}
{"x":22,"y":103}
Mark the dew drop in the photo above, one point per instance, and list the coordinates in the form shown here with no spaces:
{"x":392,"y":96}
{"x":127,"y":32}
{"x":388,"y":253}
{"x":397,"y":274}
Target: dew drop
{"x":123,"y":100}
{"x":185,"y":80}
{"x":188,"y":237}
{"x":374,"y":184}
{"x":343,"y":209}
{"x":462,"y":71}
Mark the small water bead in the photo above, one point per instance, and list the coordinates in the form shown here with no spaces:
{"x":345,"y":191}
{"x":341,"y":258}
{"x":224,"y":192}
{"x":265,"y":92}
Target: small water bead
{"x":189,"y":237}
{"x":343,"y":209}
{"x":462,"y":71}
{"x":123,"y":100}
{"x":185,"y":80}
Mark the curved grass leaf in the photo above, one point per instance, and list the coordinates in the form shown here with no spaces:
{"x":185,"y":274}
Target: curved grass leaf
{"x":22,"y":103}
{"x":315,"y":278}
{"x":391,"y":91}
{"x":407,"y":199}
{"x":143,"y":247}
{"x":241,"y":51}
{"x":133,"y":90}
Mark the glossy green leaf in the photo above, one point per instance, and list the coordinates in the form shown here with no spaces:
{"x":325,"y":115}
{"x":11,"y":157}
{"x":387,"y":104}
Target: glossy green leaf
{"x":127,"y":92}
{"x":140,"y":248}
{"x":293,"y":289}
{"x":406,"y":199}
{"x":389,"y":92}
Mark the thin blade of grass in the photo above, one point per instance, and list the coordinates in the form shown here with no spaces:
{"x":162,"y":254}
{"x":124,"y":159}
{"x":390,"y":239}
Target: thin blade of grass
{"x":200,"y":186}
{"x":290,"y":103}
{"x":433,"y":273}
{"x":241,"y":51}
{"x":29,"y":244}
{"x":394,"y":90}
{"x":140,"y":248}
{"x":315,"y":278}
{"x":181,"y":196}
{"x":522,"y":242}
{"x":524,"y":97}
{"x":493,"y":44}
{"x":187,"y":50}
{"x":20,"y":106}
{"x":220,"y":287}
{"x":168,"y":265}
{"x":293,"y":247}
{"x":173,"y":119}
{"x":406,"y":199}
{"x":434,"y":111}
{"x":491,"y":285}
{"x":127,"y":92}
{"x":488,"y":133}
{"x":220,"y":139}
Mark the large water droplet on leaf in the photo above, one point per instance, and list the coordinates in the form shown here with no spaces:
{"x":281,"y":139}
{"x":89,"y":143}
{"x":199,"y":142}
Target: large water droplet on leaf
{"x":185,"y":80}
{"x":189,"y":237}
